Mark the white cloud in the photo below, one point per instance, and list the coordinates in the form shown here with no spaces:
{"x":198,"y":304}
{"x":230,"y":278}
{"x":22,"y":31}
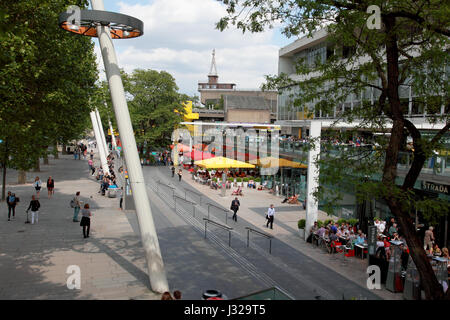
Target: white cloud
{"x":179,"y":36}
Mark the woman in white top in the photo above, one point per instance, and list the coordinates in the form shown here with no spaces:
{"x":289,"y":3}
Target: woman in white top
{"x":37,"y":185}
{"x":381,"y":226}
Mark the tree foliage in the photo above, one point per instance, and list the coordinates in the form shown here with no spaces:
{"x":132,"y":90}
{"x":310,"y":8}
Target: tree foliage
{"x":47,"y":76}
{"x":409,"y":50}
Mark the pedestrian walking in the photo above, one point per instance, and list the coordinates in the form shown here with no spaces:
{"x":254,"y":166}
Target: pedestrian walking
{"x":34,"y":207}
{"x":86,"y":220}
{"x":173,"y":171}
{"x":235,"y":207}
{"x":37,"y":185}
{"x":50,"y":186}
{"x":92,"y":155}
{"x":76,"y":206}
{"x":428,"y":240}
{"x":11,"y":200}
{"x":270,"y":216}
{"x":180,"y":173}
{"x":90,"y":164}
{"x":121,"y":197}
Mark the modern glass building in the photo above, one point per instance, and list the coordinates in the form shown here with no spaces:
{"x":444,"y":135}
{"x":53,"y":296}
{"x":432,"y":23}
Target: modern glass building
{"x":434,"y":180}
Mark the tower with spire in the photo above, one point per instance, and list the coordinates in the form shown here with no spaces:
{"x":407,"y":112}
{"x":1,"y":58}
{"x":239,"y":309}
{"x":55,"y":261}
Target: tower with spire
{"x":213,"y":76}
{"x":213,"y":79}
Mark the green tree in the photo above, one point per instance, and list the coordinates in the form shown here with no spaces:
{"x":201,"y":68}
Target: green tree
{"x":47,"y":76}
{"x":410,"y":49}
{"x":153,"y":99}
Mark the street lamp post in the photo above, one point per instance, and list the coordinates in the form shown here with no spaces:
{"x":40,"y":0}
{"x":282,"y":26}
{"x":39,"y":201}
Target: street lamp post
{"x":101,"y":151}
{"x":102,"y":132}
{"x":105,"y":25}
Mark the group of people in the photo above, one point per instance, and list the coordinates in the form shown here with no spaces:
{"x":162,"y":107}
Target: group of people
{"x":12,"y":200}
{"x":86,"y":214}
{"x":80,"y":149}
{"x":179,"y":173}
{"x":167,"y":296}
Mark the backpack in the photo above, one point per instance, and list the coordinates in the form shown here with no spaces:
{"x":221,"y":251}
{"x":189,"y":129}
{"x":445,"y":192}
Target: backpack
{"x":72,"y":203}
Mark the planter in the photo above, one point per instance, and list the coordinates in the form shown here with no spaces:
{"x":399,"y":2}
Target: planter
{"x":245,"y":184}
{"x":302,"y":233}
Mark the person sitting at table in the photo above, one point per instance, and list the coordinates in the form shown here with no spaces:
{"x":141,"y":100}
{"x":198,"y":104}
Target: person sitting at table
{"x":325,"y":237}
{"x":381,"y":226}
{"x":251,"y":184}
{"x":351,"y":236}
{"x":333,"y":236}
{"x":321,"y":231}
{"x":214,"y":185}
{"x":340,"y":232}
{"x":436,"y":251}
{"x":395,"y":236}
{"x":312,"y":232}
{"x":380,"y":252}
{"x":393,"y":229}
{"x":360,"y":239}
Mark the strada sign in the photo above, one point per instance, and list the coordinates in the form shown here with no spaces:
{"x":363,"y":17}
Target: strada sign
{"x":435,"y":187}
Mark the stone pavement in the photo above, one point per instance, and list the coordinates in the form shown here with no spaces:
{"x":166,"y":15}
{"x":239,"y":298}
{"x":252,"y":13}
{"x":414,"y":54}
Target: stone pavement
{"x":34,"y":258}
{"x":252,"y":212}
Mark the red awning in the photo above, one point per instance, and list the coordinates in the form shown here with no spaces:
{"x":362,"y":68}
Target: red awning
{"x":198,"y":155}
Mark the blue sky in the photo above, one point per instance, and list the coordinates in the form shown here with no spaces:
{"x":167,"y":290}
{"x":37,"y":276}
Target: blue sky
{"x":179,"y":36}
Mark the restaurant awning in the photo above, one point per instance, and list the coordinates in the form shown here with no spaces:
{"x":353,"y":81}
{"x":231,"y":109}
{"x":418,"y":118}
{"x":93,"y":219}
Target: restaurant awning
{"x":198,"y":155}
{"x":222,"y":163}
{"x":271,"y":162}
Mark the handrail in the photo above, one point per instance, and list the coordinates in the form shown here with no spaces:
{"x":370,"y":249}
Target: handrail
{"x":225,"y":210}
{"x":221,"y":226}
{"x":194,"y":192}
{"x":261,"y":233}
{"x":190,"y":202}
{"x":158,"y":182}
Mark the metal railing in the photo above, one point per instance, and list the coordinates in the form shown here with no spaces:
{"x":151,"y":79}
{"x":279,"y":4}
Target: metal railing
{"x":260,"y":233}
{"x":196,"y":193}
{"x":225,"y":210}
{"x":158,"y":183}
{"x":193,"y":204}
{"x":221,"y":226}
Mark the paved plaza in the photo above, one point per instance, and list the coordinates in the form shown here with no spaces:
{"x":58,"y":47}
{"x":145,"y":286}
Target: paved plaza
{"x":34,"y":258}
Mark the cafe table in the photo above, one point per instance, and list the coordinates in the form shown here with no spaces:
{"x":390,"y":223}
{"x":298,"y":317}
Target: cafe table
{"x":362,"y":246}
{"x":396,"y":242}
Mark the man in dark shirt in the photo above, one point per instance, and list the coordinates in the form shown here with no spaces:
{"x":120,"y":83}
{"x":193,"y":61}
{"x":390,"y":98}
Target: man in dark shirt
{"x":235,"y":207}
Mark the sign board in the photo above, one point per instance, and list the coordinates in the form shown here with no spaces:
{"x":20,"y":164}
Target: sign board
{"x":115,"y":132}
{"x":372,"y":240}
{"x":436,"y":187}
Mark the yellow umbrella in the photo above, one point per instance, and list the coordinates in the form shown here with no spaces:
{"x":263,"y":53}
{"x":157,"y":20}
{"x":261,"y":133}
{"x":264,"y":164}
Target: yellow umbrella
{"x":271,"y":162}
{"x":222,"y":163}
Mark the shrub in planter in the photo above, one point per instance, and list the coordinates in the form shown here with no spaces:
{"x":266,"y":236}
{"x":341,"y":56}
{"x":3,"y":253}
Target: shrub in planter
{"x":353,"y":221}
{"x":341,"y":221}
{"x":326,"y":222}
{"x":319,"y":223}
{"x":301,"y":223}
{"x":246,"y":179}
{"x":258,"y":179}
{"x":239,"y":180}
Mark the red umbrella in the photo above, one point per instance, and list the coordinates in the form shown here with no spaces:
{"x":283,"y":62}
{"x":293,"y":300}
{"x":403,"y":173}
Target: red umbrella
{"x":198,"y":155}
